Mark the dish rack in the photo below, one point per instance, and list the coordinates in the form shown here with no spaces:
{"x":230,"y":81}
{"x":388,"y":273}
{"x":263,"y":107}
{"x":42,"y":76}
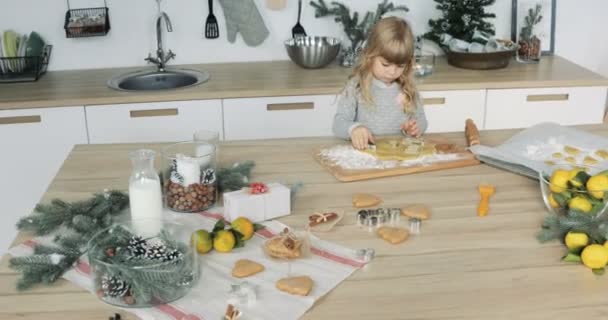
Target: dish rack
{"x":25,"y":69}
{"x":87,"y":22}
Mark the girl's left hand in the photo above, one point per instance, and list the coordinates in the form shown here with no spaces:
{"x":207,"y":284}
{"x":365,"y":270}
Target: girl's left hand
{"x":410,"y":127}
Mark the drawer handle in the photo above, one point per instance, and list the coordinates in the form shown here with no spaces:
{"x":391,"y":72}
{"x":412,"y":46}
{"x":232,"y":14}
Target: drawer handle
{"x":153,"y":113}
{"x":433,"y":101}
{"x":290,"y":106}
{"x":20,"y":119}
{"x":547,"y":97}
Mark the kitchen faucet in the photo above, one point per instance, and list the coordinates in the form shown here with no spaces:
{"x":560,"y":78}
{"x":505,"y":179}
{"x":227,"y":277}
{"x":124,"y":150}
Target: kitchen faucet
{"x":161,"y":57}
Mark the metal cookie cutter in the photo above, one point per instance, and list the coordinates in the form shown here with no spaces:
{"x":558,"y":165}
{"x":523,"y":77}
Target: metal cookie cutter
{"x":375,"y":218}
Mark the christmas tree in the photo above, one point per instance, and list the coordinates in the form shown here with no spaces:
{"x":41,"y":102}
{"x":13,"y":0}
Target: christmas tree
{"x":461,"y":19}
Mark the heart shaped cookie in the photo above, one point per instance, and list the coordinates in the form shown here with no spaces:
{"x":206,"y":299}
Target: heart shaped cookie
{"x":296,"y":285}
{"x":393,"y":235}
{"x":245,"y":268}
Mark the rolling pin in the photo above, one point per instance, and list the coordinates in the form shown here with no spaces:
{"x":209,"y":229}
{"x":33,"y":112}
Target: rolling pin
{"x":471,"y":133}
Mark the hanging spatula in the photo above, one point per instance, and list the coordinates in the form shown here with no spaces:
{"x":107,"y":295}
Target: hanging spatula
{"x":298,"y":30}
{"x":212,"y":30}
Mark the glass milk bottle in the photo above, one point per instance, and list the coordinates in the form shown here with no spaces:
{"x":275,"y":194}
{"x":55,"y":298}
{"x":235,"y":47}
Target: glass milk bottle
{"x":145,"y":197}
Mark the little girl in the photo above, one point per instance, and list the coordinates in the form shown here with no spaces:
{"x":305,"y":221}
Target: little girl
{"x":380,"y":97}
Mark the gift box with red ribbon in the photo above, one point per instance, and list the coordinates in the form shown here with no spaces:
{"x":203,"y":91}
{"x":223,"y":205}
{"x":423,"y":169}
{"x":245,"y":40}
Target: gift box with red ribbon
{"x":259,"y":202}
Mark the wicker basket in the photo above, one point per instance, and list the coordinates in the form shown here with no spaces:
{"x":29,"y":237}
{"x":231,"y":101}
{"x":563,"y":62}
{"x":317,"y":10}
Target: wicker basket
{"x":480,"y":61}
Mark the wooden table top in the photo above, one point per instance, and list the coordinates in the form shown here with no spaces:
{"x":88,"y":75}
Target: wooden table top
{"x":278,"y":78}
{"x":460,"y":266}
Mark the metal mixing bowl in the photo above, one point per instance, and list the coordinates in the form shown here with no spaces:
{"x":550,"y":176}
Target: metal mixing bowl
{"x":312,"y":52}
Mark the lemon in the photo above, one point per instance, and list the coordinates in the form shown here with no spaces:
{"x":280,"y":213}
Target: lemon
{"x":575,"y":240}
{"x":580,"y":203}
{"x":244,"y":226}
{"x":596,"y":186}
{"x":552,"y":202}
{"x":201,"y":239}
{"x":606,"y":244}
{"x":595,"y":256}
{"x":224,"y":241}
{"x":559,"y":180}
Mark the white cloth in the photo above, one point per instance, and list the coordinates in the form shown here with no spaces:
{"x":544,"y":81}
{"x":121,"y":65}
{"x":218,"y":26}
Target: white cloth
{"x":328,"y":265}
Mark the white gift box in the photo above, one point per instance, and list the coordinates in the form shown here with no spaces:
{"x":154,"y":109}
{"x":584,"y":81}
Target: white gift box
{"x":258,"y":207}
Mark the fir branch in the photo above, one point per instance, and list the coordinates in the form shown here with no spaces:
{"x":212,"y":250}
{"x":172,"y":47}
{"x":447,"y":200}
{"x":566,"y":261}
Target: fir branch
{"x":234,"y":177}
{"x":49,"y":217}
{"x":82,"y":219}
{"x":555,"y":227}
{"x":355,"y":30}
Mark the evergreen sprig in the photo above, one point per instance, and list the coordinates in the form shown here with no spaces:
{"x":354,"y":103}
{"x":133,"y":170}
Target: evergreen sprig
{"x":234,"y":177}
{"x":555,"y":227}
{"x":533,"y":18}
{"x":356,"y":30}
{"x":81,"y":219}
{"x":85,"y":217}
{"x":460,"y":19}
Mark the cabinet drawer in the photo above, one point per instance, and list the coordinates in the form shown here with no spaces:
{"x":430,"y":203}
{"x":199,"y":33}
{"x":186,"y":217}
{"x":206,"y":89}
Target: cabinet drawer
{"x":521,"y":108}
{"x":278,"y":117}
{"x":447,"y":111}
{"x":153,"y":122}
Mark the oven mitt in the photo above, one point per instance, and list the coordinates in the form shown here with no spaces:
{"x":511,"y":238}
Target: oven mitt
{"x":243,"y":16}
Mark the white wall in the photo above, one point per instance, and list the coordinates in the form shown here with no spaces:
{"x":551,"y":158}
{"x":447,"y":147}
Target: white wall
{"x":132,"y":35}
{"x":579,"y":33}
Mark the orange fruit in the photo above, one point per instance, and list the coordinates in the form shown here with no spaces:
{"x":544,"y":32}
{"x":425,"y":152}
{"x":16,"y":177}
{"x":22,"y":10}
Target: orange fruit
{"x":224,"y":241}
{"x":244,"y":226}
{"x":201,"y":239}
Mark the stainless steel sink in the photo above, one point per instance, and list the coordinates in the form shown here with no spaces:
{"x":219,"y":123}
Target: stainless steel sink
{"x":158,"y":80}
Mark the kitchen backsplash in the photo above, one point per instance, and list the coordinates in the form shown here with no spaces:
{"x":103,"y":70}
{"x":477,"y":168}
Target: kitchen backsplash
{"x":132,"y":35}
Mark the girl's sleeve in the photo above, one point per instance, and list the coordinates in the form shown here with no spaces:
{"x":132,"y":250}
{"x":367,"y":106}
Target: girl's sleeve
{"x":420,"y":116}
{"x":346,"y":113}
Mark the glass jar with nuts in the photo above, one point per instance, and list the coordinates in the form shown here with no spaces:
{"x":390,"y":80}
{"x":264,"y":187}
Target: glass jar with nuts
{"x":189,"y":176}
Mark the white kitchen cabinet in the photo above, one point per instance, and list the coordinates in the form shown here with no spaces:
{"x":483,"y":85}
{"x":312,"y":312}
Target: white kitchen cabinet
{"x":153,"y":122}
{"x":521,"y":108}
{"x":279,"y":117}
{"x":447,"y":111}
{"x":34,"y":143}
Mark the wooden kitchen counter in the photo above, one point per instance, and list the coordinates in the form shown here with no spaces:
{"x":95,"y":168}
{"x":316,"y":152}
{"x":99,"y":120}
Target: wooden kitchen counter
{"x":278,"y":78}
{"x":460,"y":266}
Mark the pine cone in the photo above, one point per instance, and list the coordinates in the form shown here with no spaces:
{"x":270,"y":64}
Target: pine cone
{"x":173,"y":255}
{"x":137,"y":246}
{"x":113,"y":286}
{"x":156,"y":252}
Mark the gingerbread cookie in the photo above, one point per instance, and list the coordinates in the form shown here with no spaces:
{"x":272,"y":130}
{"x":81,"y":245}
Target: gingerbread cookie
{"x":364,"y":200}
{"x":245,"y":268}
{"x":285,"y":245}
{"x":602,"y":154}
{"x":301,"y":285}
{"x":393,"y":235}
{"x":589,"y":160}
{"x":572,"y":150}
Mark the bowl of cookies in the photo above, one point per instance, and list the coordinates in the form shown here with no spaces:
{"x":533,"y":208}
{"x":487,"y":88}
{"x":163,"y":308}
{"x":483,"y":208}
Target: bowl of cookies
{"x":568,"y":188}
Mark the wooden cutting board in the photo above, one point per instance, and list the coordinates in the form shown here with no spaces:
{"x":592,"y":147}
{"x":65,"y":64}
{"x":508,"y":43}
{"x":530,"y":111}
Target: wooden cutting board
{"x":347,"y":175}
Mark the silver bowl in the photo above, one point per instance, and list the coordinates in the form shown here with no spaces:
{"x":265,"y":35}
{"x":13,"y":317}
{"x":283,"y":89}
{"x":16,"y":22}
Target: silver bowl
{"x":312,"y":52}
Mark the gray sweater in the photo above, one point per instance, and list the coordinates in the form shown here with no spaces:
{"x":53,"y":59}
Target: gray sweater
{"x":384,"y":118}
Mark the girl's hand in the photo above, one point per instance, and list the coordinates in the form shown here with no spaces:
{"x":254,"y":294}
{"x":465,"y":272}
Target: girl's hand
{"x":361,"y":137}
{"x":410,"y":127}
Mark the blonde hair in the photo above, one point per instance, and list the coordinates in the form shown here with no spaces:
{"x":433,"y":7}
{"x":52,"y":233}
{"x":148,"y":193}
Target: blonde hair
{"x":392,"y":39}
